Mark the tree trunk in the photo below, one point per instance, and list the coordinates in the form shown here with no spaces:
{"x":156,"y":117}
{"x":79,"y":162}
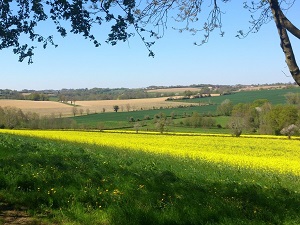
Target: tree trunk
{"x":285,"y":43}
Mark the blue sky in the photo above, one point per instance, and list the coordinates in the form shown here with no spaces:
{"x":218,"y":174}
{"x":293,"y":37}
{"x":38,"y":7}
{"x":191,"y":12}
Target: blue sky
{"x":76,"y":63}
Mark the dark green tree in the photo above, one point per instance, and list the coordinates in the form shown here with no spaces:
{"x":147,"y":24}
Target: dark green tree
{"x":281,"y":116}
{"x":116,"y":108}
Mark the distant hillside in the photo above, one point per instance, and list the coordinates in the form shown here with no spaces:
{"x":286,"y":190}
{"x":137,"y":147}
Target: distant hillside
{"x":275,"y":96}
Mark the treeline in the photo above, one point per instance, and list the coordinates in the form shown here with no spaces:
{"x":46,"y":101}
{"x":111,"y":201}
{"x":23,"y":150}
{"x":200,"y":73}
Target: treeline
{"x":35,"y":96}
{"x":101,"y":94}
{"x":262,"y":117}
{"x":83,"y":94}
{"x":10,"y":94}
{"x":14,"y":118}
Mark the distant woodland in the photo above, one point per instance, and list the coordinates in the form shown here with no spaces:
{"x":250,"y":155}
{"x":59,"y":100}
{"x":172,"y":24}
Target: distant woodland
{"x":85,"y":94}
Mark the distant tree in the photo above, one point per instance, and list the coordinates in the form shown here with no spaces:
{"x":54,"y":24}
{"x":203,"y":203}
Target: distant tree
{"x":208,"y":122}
{"x":128,"y":107}
{"x":116,"y":108}
{"x":137,"y":127}
{"x":160,"y":120}
{"x":292,"y":98}
{"x":2,"y":114}
{"x":225,"y":108}
{"x":35,"y":97}
{"x":259,"y":102}
{"x":101,"y":126}
{"x":195,"y":120}
{"x":81,"y":111}
{"x":44,"y":97}
{"x":263,"y":111}
{"x":62,"y":98}
{"x":236,"y":125}
{"x":249,"y":114}
{"x":188,"y":93}
{"x":161,"y":125}
{"x":289,"y":130}
{"x":87,"y":111}
{"x":147,"y":117}
{"x":173,"y":115}
{"x":74,"y":110}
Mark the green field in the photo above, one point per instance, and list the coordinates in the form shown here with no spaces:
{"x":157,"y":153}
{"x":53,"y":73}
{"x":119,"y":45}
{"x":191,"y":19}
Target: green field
{"x":120,"y":120}
{"x":60,"y":182}
{"x":275,"y":96}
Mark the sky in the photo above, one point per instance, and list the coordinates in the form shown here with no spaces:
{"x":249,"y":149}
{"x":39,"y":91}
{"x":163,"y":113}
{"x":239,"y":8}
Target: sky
{"x":76,"y":63}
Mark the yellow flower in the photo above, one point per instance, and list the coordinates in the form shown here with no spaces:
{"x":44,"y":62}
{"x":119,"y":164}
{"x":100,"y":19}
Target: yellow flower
{"x":271,"y":153}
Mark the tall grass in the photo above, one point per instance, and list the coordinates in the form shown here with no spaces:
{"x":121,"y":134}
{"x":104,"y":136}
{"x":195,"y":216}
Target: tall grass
{"x":87,"y":184}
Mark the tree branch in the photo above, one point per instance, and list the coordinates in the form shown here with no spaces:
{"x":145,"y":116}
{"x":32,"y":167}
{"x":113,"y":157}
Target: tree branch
{"x":290,"y":26}
{"x":285,"y":41}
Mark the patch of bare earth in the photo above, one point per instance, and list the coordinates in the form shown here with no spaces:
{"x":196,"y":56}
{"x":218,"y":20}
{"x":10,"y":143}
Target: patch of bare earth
{"x":131,"y":104}
{"x":8,"y":215}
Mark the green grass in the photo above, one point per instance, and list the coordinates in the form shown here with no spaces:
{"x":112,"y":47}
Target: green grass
{"x":274,"y":96}
{"x":113,"y":120}
{"x":71,"y":183}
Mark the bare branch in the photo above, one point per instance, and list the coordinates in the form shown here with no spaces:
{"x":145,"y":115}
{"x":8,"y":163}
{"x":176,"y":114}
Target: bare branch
{"x":289,"y":26}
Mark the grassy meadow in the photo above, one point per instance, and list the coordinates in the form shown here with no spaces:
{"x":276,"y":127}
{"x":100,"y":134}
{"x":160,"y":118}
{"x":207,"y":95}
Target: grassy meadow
{"x":126,"y":178}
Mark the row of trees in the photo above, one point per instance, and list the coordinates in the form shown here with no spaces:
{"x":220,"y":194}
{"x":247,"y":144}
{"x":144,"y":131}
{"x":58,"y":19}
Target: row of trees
{"x":197,"y":120}
{"x":67,"y":95}
{"x":11,"y":117}
{"x":12,"y":94}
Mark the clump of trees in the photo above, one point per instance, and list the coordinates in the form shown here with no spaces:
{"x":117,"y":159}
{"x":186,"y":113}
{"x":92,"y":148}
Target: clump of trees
{"x":37,"y":97}
{"x":13,"y":118}
{"x":264,"y":118}
{"x":196,"y":120}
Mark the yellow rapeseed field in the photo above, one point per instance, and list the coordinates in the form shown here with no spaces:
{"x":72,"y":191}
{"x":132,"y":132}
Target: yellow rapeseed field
{"x":265,"y":153}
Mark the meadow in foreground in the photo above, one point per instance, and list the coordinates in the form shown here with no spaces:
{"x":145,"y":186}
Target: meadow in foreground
{"x":105,"y":178}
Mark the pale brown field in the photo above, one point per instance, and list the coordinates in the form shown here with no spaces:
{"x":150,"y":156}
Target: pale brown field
{"x":175,"y":90}
{"x":131,"y":104}
{"x":40,"y":107}
{"x":57,"y":108}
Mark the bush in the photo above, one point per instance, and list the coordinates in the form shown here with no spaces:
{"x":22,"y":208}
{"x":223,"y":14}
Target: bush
{"x":289,"y":130}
